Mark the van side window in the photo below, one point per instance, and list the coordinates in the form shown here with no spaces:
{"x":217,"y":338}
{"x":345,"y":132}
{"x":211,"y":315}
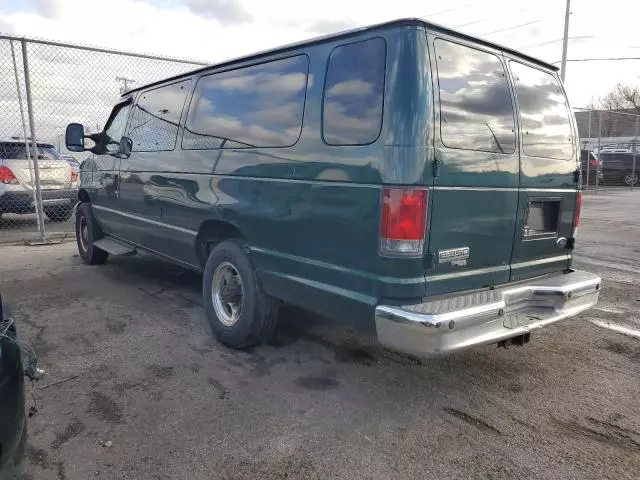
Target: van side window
{"x":257,"y":106}
{"x":476,"y":109}
{"x":544,"y":114}
{"x":354,"y":93}
{"x":156,"y":117}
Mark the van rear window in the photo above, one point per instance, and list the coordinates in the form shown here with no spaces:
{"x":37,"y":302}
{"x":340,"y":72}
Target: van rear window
{"x":476,"y":109}
{"x":17,"y":151}
{"x":257,"y":106}
{"x":354,"y":93}
{"x":546,"y":129}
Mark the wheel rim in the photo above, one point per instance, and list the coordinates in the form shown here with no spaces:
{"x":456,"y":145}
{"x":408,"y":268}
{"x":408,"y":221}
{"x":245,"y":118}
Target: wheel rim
{"x":631,"y":179}
{"x":84,"y":233}
{"x":227,"y":293}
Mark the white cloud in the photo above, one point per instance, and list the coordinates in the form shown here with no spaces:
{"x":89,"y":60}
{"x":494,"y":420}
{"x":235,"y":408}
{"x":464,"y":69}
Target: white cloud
{"x":351,"y":87}
{"x":222,"y":29}
{"x":330,"y":26}
{"x":225,"y":11}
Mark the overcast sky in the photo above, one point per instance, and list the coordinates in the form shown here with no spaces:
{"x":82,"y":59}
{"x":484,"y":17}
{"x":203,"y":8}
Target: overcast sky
{"x":214,"y":30}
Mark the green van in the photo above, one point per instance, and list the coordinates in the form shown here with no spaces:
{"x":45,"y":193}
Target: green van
{"x":403,"y":177}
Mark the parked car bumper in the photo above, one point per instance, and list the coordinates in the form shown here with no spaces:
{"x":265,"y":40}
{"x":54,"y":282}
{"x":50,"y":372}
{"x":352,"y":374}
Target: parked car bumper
{"x":479,"y":318}
{"x":12,"y":400}
{"x":23,"y":202}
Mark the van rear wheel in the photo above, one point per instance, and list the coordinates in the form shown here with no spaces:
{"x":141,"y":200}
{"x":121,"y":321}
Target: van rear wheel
{"x":241,"y":314}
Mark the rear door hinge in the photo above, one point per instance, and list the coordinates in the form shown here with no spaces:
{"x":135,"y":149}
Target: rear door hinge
{"x":436,"y":167}
{"x":576,"y":176}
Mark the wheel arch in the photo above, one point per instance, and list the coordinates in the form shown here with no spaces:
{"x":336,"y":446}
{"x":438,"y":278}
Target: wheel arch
{"x":83,"y":196}
{"x":211,"y":233}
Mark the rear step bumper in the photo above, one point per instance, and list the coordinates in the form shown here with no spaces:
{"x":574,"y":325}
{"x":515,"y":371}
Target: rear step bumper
{"x":479,"y":318}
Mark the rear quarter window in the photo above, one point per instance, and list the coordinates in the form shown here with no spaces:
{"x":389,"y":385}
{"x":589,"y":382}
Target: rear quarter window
{"x":354,"y":93}
{"x":476,"y":108}
{"x":256,"y":106}
{"x":544,"y":113}
{"x":10,"y":150}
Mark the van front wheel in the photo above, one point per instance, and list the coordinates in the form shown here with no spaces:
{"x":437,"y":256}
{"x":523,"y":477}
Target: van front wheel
{"x":239,"y":311}
{"x":87,"y":231}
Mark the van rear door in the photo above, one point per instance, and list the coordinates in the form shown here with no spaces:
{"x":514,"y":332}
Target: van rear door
{"x":474,"y":199}
{"x":549,"y":173}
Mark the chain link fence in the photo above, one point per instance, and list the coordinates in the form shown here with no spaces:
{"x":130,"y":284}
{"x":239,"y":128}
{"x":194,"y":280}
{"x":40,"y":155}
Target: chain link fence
{"x":610,"y":148}
{"x":43,"y":87}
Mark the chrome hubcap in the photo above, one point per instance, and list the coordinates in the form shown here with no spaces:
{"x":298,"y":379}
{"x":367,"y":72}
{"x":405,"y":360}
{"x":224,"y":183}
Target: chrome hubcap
{"x":84,"y":233}
{"x":227,"y":293}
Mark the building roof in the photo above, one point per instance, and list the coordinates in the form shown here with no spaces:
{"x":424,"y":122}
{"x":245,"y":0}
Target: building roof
{"x":349,"y":33}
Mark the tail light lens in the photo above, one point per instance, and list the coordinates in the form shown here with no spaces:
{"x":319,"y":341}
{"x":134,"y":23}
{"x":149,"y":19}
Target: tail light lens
{"x":7,"y":177}
{"x":74,"y":175}
{"x":403,"y":222}
{"x":576,"y":214}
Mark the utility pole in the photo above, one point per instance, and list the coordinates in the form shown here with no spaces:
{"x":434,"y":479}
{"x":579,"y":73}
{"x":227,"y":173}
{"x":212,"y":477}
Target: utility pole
{"x":125,"y":83}
{"x":565,"y":41}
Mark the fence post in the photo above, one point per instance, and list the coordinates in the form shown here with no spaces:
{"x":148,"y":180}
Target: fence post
{"x":34,"y":142}
{"x":588,"y":149}
{"x":599,"y":140}
{"x":24,"y":130}
{"x":635,"y":152}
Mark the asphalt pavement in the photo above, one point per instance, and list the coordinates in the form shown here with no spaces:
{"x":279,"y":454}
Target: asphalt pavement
{"x":137,"y":388}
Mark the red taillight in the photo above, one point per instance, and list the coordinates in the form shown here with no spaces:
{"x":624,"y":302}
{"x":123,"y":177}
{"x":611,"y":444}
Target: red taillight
{"x":576,"y":214}
{"x":74,"y":175}
{"x":7,"y":177}
{"x":403,"y":222}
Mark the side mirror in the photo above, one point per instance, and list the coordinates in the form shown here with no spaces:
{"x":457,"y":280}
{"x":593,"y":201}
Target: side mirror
{"x":74,"y":137}
{"x":126,"y":145}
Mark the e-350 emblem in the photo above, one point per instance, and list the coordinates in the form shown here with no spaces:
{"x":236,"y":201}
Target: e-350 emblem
{"x":455,"y":256}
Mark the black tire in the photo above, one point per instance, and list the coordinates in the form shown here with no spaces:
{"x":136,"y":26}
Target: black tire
{"x":14,"y":468}
{"x":58,"y":214}
{"x":84,"y":218}
{"x":22,"y":446}
{"x":258,"y":313}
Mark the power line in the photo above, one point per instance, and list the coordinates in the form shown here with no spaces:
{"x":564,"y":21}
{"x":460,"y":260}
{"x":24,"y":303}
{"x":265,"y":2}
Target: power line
{"x":488,"y":18}
{"x":604,"y":59}
{"x":581,"y":37}
{"x":460,"y":7}
{"x":512,"y":27}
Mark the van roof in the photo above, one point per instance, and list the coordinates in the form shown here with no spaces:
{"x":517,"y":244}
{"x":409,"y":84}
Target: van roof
{"x":350,"y":33}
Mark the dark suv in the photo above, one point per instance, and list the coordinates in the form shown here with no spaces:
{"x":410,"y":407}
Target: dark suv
{"x":403,"y":177}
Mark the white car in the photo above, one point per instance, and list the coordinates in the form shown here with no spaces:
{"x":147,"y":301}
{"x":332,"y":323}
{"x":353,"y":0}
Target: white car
{"x":59,"y":181}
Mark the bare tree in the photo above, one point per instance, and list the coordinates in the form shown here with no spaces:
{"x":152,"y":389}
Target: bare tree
{"x":622,"y":97}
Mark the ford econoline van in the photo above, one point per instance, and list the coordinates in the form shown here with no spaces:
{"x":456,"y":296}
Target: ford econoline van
{"x":403,"y":177}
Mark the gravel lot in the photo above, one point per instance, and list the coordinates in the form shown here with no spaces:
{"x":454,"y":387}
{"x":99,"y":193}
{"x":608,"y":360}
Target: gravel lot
{"x":140,"y":373}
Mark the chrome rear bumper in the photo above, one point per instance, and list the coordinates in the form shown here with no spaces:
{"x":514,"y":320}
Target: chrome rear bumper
{"x":465,"y":320}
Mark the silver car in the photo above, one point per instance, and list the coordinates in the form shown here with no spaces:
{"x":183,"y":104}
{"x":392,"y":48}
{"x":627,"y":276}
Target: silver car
{"x":59,"y":181}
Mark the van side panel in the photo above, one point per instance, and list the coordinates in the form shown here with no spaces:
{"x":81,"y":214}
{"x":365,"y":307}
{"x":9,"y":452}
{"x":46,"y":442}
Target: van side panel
{"x":310,"y":213}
